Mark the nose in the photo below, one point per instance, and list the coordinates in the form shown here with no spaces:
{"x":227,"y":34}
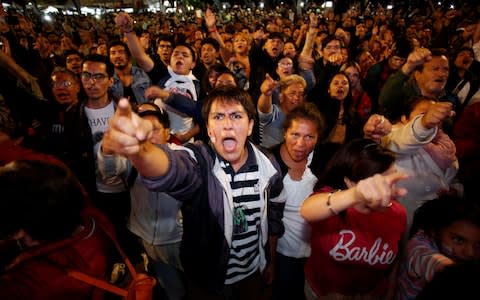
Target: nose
{"x":227,"y":122}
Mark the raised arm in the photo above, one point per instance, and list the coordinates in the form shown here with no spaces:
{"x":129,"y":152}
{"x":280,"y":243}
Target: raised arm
{"x":264,"y":104}
{"x":125,"y":23}
{"x":211,"y":22}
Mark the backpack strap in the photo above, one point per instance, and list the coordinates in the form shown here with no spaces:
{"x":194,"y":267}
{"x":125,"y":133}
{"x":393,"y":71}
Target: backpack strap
{"x":103,"y":284}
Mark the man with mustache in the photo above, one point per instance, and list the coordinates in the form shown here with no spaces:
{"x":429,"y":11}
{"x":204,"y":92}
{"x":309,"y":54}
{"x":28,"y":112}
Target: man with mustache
{"x":424,"y":74}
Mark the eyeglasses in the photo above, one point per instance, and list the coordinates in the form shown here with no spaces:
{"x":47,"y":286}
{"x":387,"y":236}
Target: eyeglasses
{"x":73,"y":59}
{"x":61,"y":84}
{"x":285,"y":65}
{"x":97,"y":77}
{"x":335,"y":47}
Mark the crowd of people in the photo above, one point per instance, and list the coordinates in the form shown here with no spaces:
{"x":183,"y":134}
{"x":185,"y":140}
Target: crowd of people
{"x":244,"y":153}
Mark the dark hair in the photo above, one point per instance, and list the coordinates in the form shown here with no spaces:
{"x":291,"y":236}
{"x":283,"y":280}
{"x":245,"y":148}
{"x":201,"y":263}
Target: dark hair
{"x":211,"y":41}
{"x":41,"y":198}
{"x":229,"y":94}
{"x":100,"y":59}
{"x":330,"y":38}
{"x":356,"y":160}
{"x":167,"y":38}
{"x":306,"y":111}
{"x":192,"y":51}
{"x":69,"y":52}
{"x":62,"y":70}
{"x":159,"y":113}
{"x":411,"y":103}
{"x":118,"y":43}
{"x":218,"y":68}
{"x":436,"y":52}
{"x":439,"y":213}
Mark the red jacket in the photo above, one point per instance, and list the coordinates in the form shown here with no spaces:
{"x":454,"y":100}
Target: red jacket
{"x":39,"y":273}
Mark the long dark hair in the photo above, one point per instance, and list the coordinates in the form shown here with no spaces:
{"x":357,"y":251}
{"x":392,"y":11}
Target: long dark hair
{"x":355,"y":160}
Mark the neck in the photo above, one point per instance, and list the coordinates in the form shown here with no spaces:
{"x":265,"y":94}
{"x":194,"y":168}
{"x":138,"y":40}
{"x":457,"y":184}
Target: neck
{"x":96,"y":103}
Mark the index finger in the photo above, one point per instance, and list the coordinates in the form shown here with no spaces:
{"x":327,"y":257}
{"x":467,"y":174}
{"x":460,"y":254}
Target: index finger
{"x":395,"y":177}
{"x":124,"y":108}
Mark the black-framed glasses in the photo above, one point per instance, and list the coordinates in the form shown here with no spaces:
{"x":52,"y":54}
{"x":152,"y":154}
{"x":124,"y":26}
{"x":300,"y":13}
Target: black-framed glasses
{"x":61,"y":84}
{"x":97,"y":77}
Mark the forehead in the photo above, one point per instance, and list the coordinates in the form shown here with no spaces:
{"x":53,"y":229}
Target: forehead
{"x":117,"y":48}
{"x":63,"y":76}
{"x":295,"y":86}
{"x":73,"y":56}
{"x":339,"y":77}
{"x":208,"y":46}
{"x":225,"y":76}
{"x":183,"y":50}
{"x":306,"y":125}
{"x":437,"y":61}
{"x":226,"y":106}
{"x":94,"y":65}
{"x":276,"y":39}
{"x":351,"y":69}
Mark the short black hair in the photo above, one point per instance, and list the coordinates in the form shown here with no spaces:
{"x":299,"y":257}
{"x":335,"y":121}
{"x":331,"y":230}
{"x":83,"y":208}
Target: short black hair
{"x":100,"y":59}
{"x":42,"y":198}
{"x":155,"y":111}
{"x":118,"y":43}
{"x":192,"y":51}
{"x":211,"y":41}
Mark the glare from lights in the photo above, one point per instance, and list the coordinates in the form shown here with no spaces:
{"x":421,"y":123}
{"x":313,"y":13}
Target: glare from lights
{"x":47,"y":18}
{"x":452,"y":6}
{"x":224,"y":6}
{"x":262,"y":5}
{"x":329,"y":4}
{"x":302,"y":4}
{"x":389,"y":6}
{"x":50,"y":9}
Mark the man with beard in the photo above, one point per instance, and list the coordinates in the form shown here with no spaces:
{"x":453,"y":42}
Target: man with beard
{"x":128,"y":81}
